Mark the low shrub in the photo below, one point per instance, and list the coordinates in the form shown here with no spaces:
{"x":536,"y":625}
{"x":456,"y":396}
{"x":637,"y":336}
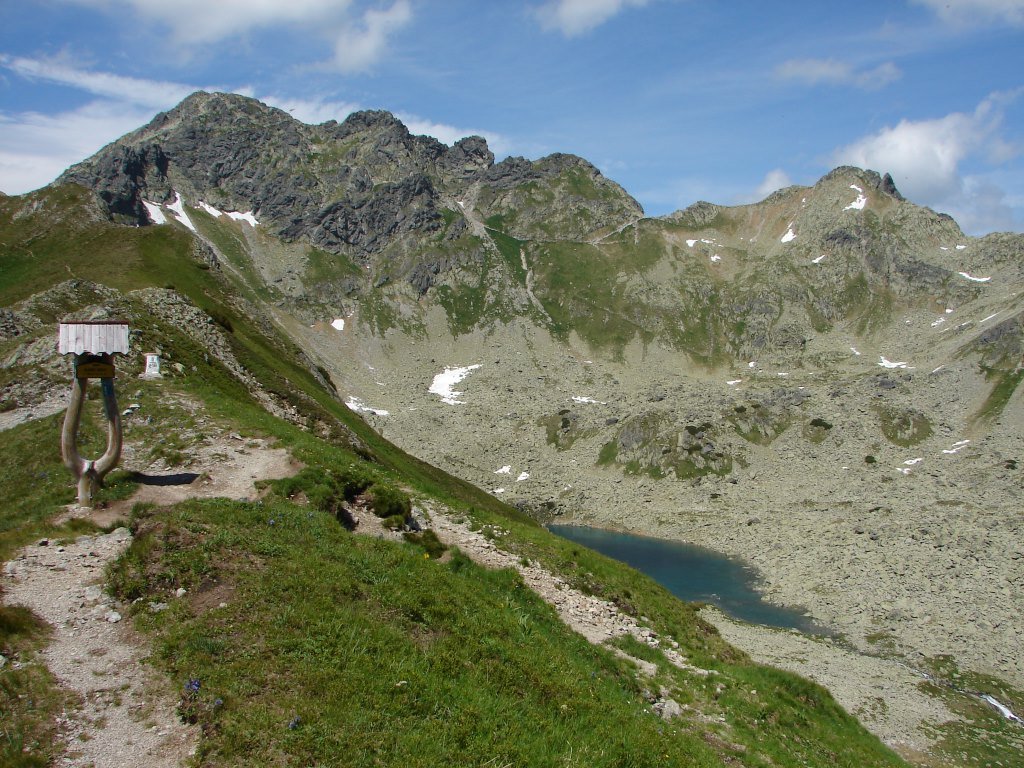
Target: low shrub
{"x":387,"y":501}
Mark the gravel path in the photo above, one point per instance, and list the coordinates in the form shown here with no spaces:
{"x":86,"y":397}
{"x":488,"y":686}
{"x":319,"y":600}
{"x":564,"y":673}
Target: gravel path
{"x":127,"y":717}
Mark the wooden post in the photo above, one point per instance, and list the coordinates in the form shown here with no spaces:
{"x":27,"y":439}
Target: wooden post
{"x":93,"y":344}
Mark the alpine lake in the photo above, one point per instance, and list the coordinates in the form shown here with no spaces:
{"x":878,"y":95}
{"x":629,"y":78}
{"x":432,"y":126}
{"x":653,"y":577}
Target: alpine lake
{"x":693,"y":574}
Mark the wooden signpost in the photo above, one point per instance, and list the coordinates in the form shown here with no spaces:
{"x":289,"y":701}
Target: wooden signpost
{"x":94,"y":344}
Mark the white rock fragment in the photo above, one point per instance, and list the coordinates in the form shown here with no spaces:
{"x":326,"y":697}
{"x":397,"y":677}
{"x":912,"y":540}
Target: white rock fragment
{"x":443,"y":383}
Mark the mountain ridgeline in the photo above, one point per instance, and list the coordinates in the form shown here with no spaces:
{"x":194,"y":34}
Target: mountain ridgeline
{"x":389,"y":219}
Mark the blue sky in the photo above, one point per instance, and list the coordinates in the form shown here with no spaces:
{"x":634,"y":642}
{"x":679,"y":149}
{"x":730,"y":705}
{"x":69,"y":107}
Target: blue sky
{"x":677,"y":100}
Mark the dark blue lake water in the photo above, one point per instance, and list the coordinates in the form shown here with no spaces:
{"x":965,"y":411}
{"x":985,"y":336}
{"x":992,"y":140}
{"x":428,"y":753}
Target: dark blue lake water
{"x":692,"y":573}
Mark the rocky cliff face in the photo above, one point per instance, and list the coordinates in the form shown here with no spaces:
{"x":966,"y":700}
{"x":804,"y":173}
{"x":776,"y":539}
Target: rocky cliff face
{"x":358,"y":184}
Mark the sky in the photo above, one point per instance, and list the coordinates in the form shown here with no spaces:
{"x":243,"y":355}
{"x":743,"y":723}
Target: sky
{"x":676,"y":100}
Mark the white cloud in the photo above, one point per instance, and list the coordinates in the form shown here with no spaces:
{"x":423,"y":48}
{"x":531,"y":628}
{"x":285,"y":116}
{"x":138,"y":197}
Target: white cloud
{"x":924,"y":156}
{"x":773,"y":180}
{"x":835,"y":72}
{"x":36,"y":148}
{"x":449,"y":134}
{"x":359,"y":47}
{"x":985,"y":206}
{"x":974,"y":12}
{"x":359,"y":41}
{"x":158,"y":94}
{"x":926,"y":159}
{"x":314,"y":111}
{"x":577,"y":17}
{"x":198,"y":22}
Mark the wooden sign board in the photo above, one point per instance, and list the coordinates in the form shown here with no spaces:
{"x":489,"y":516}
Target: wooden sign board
{"x":94,"y":367}
{"x":98,"y":337}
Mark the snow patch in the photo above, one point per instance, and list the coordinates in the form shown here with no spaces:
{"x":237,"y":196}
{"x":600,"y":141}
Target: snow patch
{"x":506,"y":470}
{"x":859,"y":203}
{"x":716,"y":258}
{"x":938,"y":322}
{"x":734,"y":382}
{"x":789,"y":236}
{"x":156,"y":215}
{"x":1002,"y":708}
{"x":961,"y":247}
{"x":985,"y":320}
{"x":912,"y":462}
{"x":523,"y":476}
{"x":577,"y":399}
{"x":359,"y":406}
{"x":499,"y":490}
{"x":211,"y":210}
{"x":338,"y":324}
{"x":974,"y":279}
{"x":957,"y":447}
{"x":854,"y":350}
{"x":886,"y":363}
{"x":248,"y":217}
{"x":818,"y":260}
{"x":752,"y":364}
{"x":177,"y":207}
{"x":443,"y":383}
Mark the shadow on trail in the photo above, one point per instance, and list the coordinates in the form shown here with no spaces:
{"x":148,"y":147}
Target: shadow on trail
{"x":178,"y":478}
